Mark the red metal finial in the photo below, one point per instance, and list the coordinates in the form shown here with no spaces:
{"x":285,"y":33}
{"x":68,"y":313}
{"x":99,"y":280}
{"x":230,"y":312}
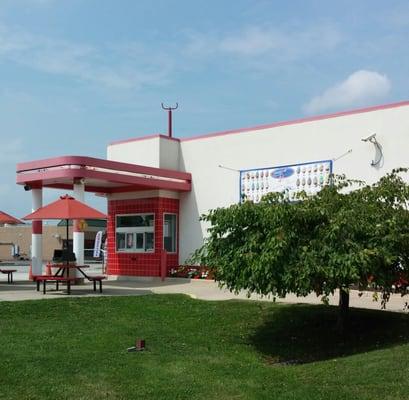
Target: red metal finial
{"x":169,"y":110}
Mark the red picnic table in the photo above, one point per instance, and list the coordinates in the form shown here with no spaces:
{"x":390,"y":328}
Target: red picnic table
{"x":63,"y":275}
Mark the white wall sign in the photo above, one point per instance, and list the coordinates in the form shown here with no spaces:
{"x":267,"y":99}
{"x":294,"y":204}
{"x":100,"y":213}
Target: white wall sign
{"x":291,"y":179}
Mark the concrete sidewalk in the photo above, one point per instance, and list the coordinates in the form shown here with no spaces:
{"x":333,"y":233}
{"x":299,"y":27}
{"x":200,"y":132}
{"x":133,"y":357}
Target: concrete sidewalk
{"x":23,"y":289}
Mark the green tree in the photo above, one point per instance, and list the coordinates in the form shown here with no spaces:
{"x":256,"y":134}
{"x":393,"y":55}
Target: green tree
{"x":348,"y":234}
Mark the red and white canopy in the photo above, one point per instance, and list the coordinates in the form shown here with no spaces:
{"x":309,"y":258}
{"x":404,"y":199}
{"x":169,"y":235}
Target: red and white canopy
{"x":100,"y":176}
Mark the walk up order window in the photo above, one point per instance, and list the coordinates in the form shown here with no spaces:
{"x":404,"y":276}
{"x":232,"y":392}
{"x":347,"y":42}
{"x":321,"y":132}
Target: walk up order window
{"x":135,"y":233}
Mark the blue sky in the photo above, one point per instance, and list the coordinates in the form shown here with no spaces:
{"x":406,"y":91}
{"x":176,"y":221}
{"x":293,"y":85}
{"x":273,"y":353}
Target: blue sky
{"x":78,"y":74}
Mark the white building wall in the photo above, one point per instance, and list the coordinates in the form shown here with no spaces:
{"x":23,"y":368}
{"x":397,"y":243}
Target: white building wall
{"x":141,"y":152}
{"x":291,"y":143}
{"x":282,"y":145}
{"x":158,"y":151}
{"x":169,"y":153}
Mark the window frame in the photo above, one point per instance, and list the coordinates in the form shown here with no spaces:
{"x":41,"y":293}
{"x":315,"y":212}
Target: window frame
{"x":176,"y":232}
{"x":134,"y":231}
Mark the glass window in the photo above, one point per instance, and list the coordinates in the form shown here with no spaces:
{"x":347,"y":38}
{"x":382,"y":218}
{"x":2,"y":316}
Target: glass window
{"x":120,"y":241}
{"x":133,"y":221}
{"x":169,"y":232}
{"x":149,"y":241}
{"x":135,"y":233}
{"x":139,"y":241}
{"x":129,"y":240}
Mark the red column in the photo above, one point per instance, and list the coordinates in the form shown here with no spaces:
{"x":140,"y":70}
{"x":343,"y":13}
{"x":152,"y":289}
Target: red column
{"x":163,"y":264}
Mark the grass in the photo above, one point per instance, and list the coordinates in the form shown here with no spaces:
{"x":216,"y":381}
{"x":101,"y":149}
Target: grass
{"x":76,"y":349}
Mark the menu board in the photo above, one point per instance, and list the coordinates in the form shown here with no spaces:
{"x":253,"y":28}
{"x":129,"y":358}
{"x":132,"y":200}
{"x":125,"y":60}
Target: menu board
{"x":290,"y":179}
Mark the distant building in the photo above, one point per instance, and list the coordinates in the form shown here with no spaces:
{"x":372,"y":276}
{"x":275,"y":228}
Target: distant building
{"x":53,"y":238}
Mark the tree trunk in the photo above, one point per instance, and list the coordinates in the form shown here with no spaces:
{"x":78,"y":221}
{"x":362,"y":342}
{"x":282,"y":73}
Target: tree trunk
{"x":343,"y":310}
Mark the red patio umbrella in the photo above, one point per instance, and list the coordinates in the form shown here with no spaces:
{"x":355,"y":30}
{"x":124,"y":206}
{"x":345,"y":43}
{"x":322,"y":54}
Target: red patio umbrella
{"x":65,"y":208}
{"x":8,"y":219}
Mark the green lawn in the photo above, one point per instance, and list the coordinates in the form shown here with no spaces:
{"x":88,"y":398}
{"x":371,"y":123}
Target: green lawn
{"x":76,"y":349}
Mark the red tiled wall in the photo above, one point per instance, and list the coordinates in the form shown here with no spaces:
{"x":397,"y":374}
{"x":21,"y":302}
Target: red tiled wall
{"x":140,"y":264}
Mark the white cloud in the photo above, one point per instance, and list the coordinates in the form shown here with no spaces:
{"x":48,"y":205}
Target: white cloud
{"x":269,"y":42}
{"x":131,"y":66}
{"x":109,"y":67}
{"x":358,"y":89}
{"x":253,"y":41}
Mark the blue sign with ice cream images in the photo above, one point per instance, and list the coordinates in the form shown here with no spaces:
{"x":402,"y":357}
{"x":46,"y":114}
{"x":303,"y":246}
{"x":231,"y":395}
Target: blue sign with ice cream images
{"x":290,"y":179}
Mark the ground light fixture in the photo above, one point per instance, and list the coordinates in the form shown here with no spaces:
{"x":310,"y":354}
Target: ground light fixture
{"x":139,"y":346}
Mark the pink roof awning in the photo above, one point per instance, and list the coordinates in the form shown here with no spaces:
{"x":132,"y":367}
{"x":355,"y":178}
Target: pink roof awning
{"x":99,"y":175}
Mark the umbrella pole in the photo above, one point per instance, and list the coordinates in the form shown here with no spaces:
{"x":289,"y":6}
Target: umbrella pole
{"x":67,"y":247}
{"x":67,"y":231}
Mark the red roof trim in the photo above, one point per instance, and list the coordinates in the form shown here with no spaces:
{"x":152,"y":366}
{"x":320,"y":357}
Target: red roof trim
{"x":47,"y":172}
{"x":275,"y":124}
{"x":48,"y":179}
{"x":100,"y":163}
{"x":300,"y":120}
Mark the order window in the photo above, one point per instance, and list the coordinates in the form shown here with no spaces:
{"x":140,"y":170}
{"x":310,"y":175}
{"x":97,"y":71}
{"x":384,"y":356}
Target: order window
{"x":135,"y":233}
{"x":170,"y":233}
